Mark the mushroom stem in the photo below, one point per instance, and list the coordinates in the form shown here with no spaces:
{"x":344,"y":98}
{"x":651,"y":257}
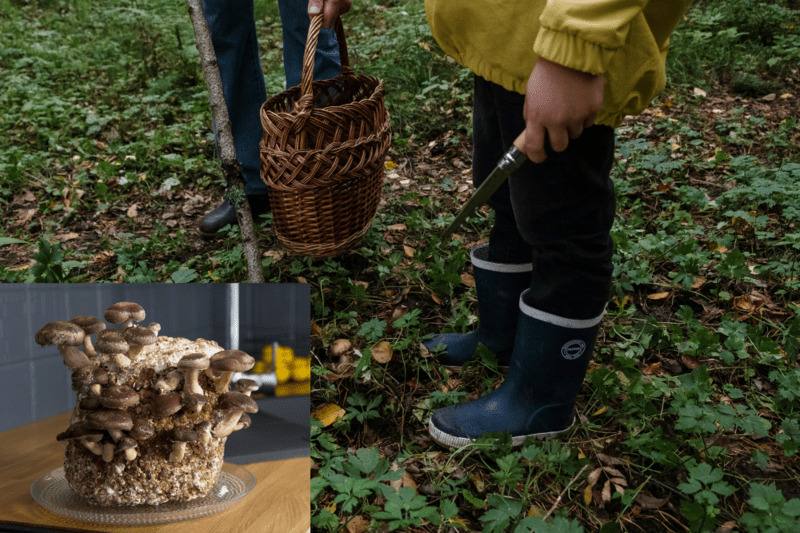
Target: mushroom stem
{"x":190,"y":381}
{"x":130,"y":454}
{"x":115,"y":434}
{"x":223,"y":382}
{"x":108,"y":452}
{"x":227,"y":425}
{"x":88,"y":347}
{"x":178,"y":451}
{"x":93,"y":447}
{"x":96,"y":389}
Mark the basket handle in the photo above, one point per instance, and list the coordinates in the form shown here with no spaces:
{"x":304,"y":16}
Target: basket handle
{"x":306,"y":100}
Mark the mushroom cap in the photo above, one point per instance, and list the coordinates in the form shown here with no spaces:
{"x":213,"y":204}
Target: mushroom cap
{"x":143,"y":429}
{"x":77,"y":431}
{"x":89,"y":324}
{"x":232,"y":361}
{"x":184,"y":435}
{"x":193,"y":400}
{"x":237,"y":400}
{"x":139,"y":335}
{"x":245,"y":385}
{"x":245,"y":420}
{"x":81,"y":376}
{"x":111,"y":342}
{"x":119,"y":397}
{"x":126,"y":443}
{"x":199,"y":361}
{"x":109,"y":419}
{"x":100,"y":375}
{"x":74,"y":357}
{"x":123,"y":311}
{"x":166,"y":404}
{"x":60,"y":333}
{"x":89,"y":403}
{"x":155,"y":327}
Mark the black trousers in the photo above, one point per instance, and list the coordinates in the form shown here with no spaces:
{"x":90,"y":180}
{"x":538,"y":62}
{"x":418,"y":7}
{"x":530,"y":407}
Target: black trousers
{"x":559,"y":212}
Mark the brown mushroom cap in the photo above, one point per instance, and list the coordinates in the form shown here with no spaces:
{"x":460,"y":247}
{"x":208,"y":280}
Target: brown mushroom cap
{"x":89,"y":324}
{"x":122,"y":312}
{"x":139,"y":335}
{"x":166,"y":404}
{"x":100,"y":376}
{"x":60,"y":333}
{"x":232,"y":361}
{"x":184,"y":435}
{"x":109,"y":420}
{"x":111,"y":342}
{"x":193,"y":401}
{"x":119,"y":397}
{"x":74,"y":357}
{"x":246,"y":385}
{"x":245,"y":421}
{"x":78,"y":430}
{"x":143,"y":429}
{"x":81,"y":377}
{"x":237,"y":400}
{"x":89,"y":403}
{"x":126,"y":443}
{"x":198,"y":361}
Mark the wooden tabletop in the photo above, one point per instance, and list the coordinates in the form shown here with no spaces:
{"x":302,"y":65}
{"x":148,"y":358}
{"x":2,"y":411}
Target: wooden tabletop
{"x":279,"y":502}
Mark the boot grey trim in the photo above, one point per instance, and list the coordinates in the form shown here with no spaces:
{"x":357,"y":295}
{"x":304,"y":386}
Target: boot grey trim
{"x":452,"y":441}
{"x":544,"y":316}
{"x":477,"y":256}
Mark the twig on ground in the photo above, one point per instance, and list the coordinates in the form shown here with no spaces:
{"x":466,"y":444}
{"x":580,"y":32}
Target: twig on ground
{"x":227,"y":150}
{"x":564,"y":491}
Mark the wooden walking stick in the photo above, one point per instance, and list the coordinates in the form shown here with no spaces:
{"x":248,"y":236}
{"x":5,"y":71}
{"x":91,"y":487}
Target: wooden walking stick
{"x":230,"y":165}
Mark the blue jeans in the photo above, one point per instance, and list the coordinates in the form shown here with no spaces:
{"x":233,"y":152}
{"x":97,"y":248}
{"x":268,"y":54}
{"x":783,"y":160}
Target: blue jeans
{"x":233,"y":32}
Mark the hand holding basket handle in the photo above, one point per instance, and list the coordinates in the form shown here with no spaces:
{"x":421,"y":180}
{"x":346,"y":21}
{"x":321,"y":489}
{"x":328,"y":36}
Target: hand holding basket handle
{"x":330,"y":9}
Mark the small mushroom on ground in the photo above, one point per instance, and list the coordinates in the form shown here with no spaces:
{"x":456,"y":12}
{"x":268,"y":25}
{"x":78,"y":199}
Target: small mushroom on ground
{"x":138,"y":337}
{"x":128,"y":447}
{"x":125,"y":313}
{"x":193,"y":403}
{"x":246,"y":386}
{"x":91,"y":325}
{"x":88,"y":437}
{"x":233,"y":405}
{"x":191,"y":365}
{"x":73,"y":357}
{"x":204,"y":430}
{"x":60,"y":333}
{"x":167,"y":404}
{"x":113,"y":422}
{"x":119,"y":397}
{"x":181,"y":436}
{"x":143,"y":429}
{"x":226,"y":362}
{"x":340,"y":347}
{"x":169,"y":382}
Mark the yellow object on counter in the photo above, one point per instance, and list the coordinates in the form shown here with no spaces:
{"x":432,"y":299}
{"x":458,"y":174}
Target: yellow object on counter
{"x":301,"y":388}
{"x":301,"y":369}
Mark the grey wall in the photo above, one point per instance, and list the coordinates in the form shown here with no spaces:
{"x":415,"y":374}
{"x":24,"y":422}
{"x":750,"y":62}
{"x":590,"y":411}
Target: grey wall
{"x":34,"y":382}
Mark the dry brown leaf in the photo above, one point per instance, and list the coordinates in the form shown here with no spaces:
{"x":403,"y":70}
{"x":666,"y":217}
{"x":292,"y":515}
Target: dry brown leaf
{"x":605,"y":494}
{"x":64,"y":237}
{"x":658,"y":295}
{"x":316,"y":331}
{"x":468,"y":279}
{"x":382,"y":352}
{"x":301,"y":279}
{"x":613,"y":471}
{"x":619,"y":481}
{"x":396,"y":227}
{"x":436,"y":298}
{"x":727,"y":527}
{"x":408,"y":481}
{"x":689,"y":362}
{"x":408,"y":251}
{"x":648,"y":501}
{"x":593,"y":476}
{"x":698,"y":282}
{"x":600,"y":411}
{"x":652,"y":369}
{"x":609,"y":460}
{"x":587,"y":495}
{"x":340,"y":347}
{"x":328,"y":413}
{"x":133,"y":211}
{"x":744,"y":303}
{"x":357,"y":524}
{"x":697,"y":91}
{"x":275,"y":255}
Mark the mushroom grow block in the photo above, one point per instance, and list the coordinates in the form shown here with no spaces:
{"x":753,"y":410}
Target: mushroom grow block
{"x":153,"y":413}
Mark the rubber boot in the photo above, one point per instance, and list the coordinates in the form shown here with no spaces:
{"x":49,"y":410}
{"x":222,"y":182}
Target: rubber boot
{"x":537,"y":399}
{"x":498,"y":286}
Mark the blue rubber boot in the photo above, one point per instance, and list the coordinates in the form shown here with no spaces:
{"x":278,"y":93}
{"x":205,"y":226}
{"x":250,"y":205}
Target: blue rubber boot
{"x":537,"y":399}
{"x":498,"y":286}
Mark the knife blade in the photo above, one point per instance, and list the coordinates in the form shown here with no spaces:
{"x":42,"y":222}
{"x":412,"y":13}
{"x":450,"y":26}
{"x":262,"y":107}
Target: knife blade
{"x":511,"y":161}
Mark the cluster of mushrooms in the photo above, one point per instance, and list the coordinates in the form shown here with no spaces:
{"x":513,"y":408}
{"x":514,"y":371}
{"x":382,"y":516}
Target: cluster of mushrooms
{"x":119,"y":410}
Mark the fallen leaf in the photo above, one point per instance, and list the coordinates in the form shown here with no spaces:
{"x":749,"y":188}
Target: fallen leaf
{"x":594,"y":476}
{"x":408,"y":481}
{"x":619,"y":481}
{"x":24,"y":216}
{"x":726,"y":527}
{"x":133,"y":211}
{"x":600,"y":411}
{"x":64,"y":237}
{"x":468,"y":279}
{"x":697,"y":91}
{"x":689,"y":362}
{"x":357,"y":524}
{"x":698,"y":282}
{"x":436,"y":298}
{"x":382,"y":352}
{"x":658,"y":295}
{"x":609,"y":460}
{"x":328,"y":413}
{"x":396,"y":227}
{"x":648,"y":501}
{"x":743,"y":303}
{"x":652,"y":369}
{"x":613,"y":471}
{"x":275,"y":255}
{"x":587,"y":495}
{"x":408,"y":251}
{"x":605,"y":494}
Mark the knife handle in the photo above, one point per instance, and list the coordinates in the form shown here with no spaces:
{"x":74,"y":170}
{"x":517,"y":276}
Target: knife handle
{"x":519,"y":142}
{"x":513,"y":159}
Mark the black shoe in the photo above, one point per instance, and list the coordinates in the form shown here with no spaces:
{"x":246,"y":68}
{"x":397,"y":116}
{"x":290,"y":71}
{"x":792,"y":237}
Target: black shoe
{"x":224,"y":214}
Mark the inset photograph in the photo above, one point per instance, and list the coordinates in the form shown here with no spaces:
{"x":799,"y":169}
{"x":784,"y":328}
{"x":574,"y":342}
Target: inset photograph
{"x":180,"y":407}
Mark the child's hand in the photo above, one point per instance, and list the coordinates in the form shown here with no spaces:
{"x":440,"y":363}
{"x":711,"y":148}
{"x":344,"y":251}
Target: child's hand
{"x":331,"y":9}
{"x":559,"y":104}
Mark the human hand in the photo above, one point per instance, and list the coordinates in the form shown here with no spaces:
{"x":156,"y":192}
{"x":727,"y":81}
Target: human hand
{"x":560,"y":102}
{"x":331,"y":9}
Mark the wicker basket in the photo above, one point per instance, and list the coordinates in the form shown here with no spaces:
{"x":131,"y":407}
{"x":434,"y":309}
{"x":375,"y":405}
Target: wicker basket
{"x":322,"y":155}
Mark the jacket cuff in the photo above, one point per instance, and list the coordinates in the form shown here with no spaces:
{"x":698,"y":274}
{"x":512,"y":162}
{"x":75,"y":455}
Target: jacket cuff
{"x":571,"y":51}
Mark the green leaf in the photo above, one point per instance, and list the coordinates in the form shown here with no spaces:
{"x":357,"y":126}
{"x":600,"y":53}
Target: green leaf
{"x":10,"y":240}
{"x":184,"y":275}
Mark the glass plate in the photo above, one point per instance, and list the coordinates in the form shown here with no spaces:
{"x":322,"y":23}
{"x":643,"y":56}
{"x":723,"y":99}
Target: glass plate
{"x":52,"y":492}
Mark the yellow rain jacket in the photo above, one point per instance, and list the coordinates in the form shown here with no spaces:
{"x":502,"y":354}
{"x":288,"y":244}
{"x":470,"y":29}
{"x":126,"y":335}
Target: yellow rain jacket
{"x":625,"y":40}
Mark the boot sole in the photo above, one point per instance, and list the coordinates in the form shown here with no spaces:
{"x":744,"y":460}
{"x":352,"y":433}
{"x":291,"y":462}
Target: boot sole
{"x":502,"y":368}
{"x":453,"y":441}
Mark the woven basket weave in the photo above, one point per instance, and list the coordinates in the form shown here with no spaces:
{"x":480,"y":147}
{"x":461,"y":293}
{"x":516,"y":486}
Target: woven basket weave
{"x":322,"y":155}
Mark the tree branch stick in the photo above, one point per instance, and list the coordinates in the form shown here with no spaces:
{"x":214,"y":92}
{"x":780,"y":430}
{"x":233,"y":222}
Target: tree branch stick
{"x":564,"y":491}
{"x":227,"y":150}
